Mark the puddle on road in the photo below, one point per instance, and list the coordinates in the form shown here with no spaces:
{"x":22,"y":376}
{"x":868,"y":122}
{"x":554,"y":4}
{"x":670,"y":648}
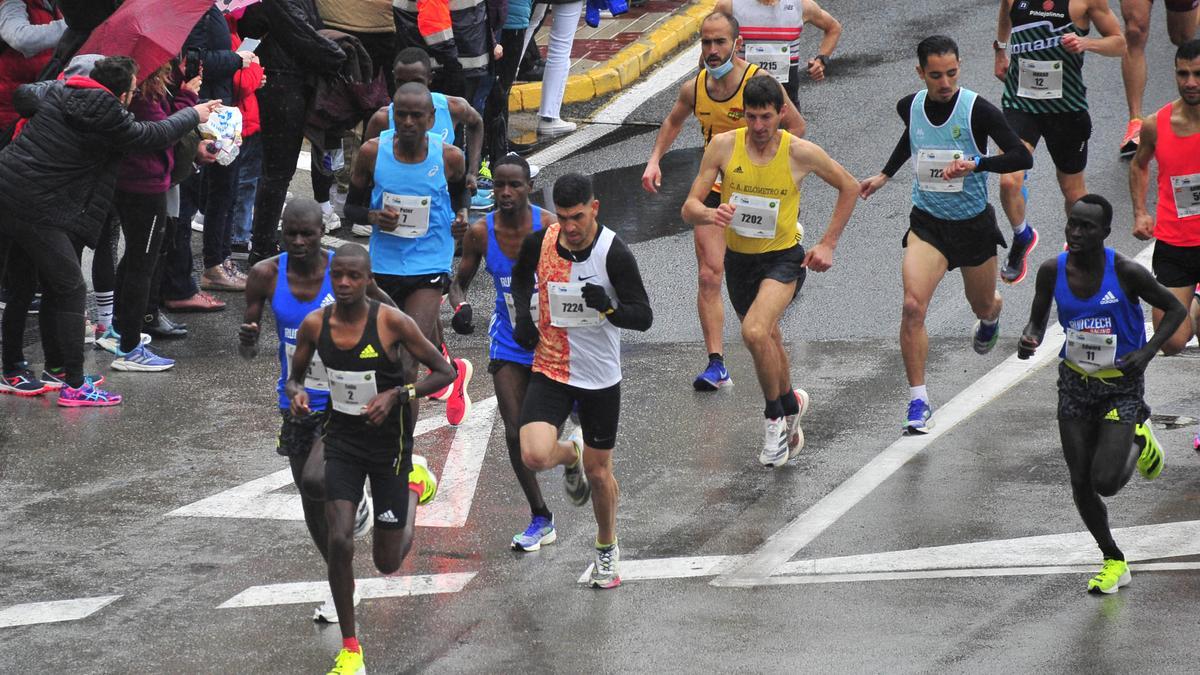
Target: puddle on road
{"x":633,"y":213}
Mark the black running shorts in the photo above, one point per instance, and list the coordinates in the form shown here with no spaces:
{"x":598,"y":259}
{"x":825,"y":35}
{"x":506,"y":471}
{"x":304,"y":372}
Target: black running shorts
{"x":963,"y":243}
{"x":1176,"y":266}
{"x":1181,"y":5}
{"x":345,"y":477}
{"x":1119,"y":400}
{"x":744,"y":272}
{"x":599,"y":409}
{"x":297,"y":434}
{"x":399,"y":287}
{"x":1066,"y":135}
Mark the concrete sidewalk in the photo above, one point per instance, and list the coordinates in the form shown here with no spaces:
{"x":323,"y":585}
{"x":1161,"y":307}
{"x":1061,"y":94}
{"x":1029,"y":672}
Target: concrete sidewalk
{"x":614,"y":55}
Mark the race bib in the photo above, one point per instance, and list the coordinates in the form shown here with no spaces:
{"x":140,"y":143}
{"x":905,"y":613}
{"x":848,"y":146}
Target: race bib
{"x":316,"y":378}
{"x":771,"y":57}
{"x":414,"y":214}
{"x":754,"y":217}
{"x":931,"y":168}
{"x":1039,"y":79}
{"x":1187,"y":195}
{"x":1092,"y":352}
{"x":567,"y":309}
{"x":512,"y":311}
{"x":351,"y":390}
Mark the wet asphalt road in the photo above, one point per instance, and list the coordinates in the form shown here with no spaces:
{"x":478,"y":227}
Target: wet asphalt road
{"x":84,"y":494}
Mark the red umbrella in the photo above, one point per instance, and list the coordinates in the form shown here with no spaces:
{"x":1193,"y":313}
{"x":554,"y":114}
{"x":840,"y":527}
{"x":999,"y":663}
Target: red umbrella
{"x":150,"y":31}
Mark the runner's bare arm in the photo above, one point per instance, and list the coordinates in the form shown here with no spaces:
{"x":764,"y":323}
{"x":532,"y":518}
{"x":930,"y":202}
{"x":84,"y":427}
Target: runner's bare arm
{"x":462,"y":113}
{"x":667,"y":133}
{"x":716,"y":155}
{"x":306,"y":346}
{"x":377,"y":123}
{"x":831,"y":32}
{"x":474,"y":244}
{"x":1003,"y":32}
{"x":1039,"y":311}
{"x":259,"y":287}
{"x":809,"y":157}
{"x":358,"y":200}
{"x":1139,"y":179}
{"x":456,"y":181}
{"x":1112,"y":40}
{"x":1139,"y":282}
{"x":407,"y":335}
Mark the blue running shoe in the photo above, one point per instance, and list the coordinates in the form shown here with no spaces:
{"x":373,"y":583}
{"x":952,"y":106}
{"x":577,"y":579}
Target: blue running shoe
{"x":984,"y":337}
{"x":714,"y":377}
{"x":482,"y":200}
{"x":142,"y":360}
{"x":540,"y":531}
{"x":1014,"y":268}
{"x":918,"y":417}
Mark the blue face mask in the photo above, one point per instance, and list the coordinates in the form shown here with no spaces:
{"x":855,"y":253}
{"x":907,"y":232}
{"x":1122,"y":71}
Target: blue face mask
{"x":721,"y":70}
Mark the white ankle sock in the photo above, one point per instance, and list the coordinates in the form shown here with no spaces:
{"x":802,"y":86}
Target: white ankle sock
{"x":918,"y":392}
{"x":1018,"y":229}
{"x":104,"y":308}
{"x":326,"y":207}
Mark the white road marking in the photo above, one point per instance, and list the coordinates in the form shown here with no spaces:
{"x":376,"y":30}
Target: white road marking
{"x":785,"y":543}
{"x":378,"y":587}
{"x":969,"y":573}
{"x":53,"y":611}
{"x":1069,"y":552}
{"x":456,"y":485}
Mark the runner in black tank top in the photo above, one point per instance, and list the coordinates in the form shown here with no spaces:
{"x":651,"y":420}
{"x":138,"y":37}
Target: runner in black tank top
{"x":370,"y":429}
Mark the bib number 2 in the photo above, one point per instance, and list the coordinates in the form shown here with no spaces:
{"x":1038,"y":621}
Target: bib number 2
{"x":351,"y":390}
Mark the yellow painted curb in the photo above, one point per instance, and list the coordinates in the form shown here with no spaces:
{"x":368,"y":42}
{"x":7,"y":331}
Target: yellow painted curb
{"x":626,"y":66}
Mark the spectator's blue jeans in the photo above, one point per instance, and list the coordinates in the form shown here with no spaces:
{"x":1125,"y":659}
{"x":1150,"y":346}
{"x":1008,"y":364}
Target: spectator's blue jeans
{"x":249,"y":168}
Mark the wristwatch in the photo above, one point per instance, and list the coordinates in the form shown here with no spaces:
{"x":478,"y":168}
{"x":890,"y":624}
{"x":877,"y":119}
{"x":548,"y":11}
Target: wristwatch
{"x":999,"y":46}
{"x":823,"y":59}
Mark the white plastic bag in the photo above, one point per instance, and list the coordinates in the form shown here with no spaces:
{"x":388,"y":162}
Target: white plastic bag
{"x":224,"y":128}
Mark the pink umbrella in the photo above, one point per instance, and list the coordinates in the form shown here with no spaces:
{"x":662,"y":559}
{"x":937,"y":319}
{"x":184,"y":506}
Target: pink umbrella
{"x":234,"y":5}
{"x":150,"y":31}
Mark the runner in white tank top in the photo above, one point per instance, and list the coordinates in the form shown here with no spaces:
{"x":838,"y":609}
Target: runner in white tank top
{"x":770,"y":31}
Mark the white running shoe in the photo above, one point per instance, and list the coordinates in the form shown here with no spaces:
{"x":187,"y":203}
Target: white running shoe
{"x":331,"y":220}
{"x":327,"y":612}
{"x":198,"y":222}
{"x":775,"y":443}
{"x":361,"y":230}
{"x":795,"y":435}
{"x":364,"y":520}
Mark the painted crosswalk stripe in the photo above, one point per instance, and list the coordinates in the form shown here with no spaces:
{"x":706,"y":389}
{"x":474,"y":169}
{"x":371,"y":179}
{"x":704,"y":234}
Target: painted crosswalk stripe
{"x":318,"y":591}
{"x":53,"y":611}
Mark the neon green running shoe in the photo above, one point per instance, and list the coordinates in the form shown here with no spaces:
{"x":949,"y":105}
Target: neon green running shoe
{"x":422,"y":476}
{"x":1112,"y":576}
{"x":485,"y":170}
{"x":349,"y":663}
{"x":1150,"y":463}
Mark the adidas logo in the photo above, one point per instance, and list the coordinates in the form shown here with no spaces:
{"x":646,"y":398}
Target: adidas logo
{"x":737,"y":169}
{"x":1112,"y":416}
{"x":328,"y":300}
{"x":369,"y":352}
{"x":386,"y":517}
{"x":1109,"y":299}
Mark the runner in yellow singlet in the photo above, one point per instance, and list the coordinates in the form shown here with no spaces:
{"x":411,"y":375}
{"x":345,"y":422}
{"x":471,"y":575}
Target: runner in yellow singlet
{"x":714,"y":96}
{"x":763,"y":168}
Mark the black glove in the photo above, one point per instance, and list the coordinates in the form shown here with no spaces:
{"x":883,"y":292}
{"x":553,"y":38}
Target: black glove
{"x":526,"y":334}
{"x":461,"y":322}
{"x":596,"y":297}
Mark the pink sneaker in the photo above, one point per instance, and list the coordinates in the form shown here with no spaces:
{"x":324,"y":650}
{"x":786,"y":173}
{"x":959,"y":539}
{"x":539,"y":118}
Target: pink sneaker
{"x":459,"y":403}
{"x":444,"y":393}
{"x":87,"y":396}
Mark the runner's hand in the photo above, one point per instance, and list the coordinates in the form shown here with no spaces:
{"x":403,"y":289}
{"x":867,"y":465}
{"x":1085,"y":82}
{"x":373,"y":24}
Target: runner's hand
{"x":299,"y":404}
{"x":819,"y":258}
{"x":1135,"y":362}
{"x":869,"y":186}
{"x":816,"y":70}
{"x":596,"y":297}
{"x":461,"y":322}
{"x":1143,"y":227}
{"x":652,"y":177}
{"x":386,"y":218}
{"x":958,"y":168}
{"x":1001,"y":71}
{"x":526,"y":334}
{"x":1027,"y":346}
{"x":723,"y":215}
{"x":1074,"y":44}
{"x":379,"y":406}
{"x":248,"y":340}
{"x":460,"y":225}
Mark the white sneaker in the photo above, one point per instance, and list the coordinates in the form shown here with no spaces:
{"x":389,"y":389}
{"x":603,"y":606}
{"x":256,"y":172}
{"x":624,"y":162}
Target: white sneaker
{"x":327,"y":612}
{"x":198,"y":222}
{"x":554,"y":126}
{"x":361,"y":230}
{"x":775,"y":446}
{"x":795,"y":435}
{"x":331,"y":221}
{"x":365,"y":518}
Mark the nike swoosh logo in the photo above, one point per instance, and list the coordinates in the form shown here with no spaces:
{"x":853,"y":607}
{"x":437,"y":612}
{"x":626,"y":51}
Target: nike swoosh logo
{"x":593,"y":276}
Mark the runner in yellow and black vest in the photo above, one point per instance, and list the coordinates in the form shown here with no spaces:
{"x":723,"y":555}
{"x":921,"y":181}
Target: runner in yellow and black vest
{"x":715,"y":97}
{"x":763,"y":168}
